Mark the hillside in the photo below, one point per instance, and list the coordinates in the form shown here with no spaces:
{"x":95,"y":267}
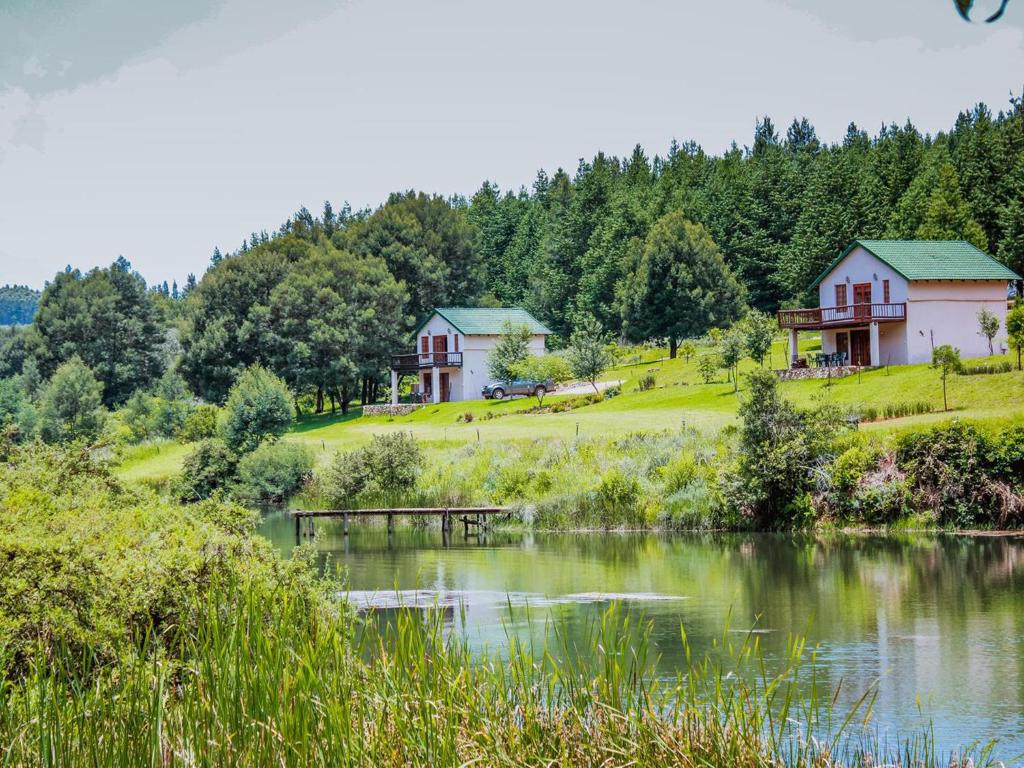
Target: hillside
{"x":678,"y":397}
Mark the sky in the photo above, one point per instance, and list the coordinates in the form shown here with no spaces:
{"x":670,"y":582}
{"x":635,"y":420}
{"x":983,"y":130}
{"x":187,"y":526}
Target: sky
{"x":159,"y":130}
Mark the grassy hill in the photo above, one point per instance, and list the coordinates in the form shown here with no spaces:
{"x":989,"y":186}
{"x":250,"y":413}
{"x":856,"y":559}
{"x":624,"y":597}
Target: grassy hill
{"x":678,"y":397}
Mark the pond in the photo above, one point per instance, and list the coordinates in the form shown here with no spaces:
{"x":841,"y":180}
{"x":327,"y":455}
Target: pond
{"x":937,"y":621}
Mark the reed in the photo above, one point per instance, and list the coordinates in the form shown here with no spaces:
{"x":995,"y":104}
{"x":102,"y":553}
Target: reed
{"x":264,"y":682}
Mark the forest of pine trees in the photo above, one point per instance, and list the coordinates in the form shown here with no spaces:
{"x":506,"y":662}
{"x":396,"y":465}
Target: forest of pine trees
{"x":779,"y":210}
{"x":17,"y":304}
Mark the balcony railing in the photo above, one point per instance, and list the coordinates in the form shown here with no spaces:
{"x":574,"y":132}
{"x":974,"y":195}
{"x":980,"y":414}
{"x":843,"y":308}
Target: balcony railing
{"x":852,"y":314}
{"x":426,"y":360}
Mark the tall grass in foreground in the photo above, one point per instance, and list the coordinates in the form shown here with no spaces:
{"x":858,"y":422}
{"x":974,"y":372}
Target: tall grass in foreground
{"x":264,"y":684}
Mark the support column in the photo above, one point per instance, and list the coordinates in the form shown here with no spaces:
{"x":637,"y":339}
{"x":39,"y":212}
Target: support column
{"x":435,"y":384}
{"x":794,"y":351}
{"x":394,"y":387}
{"x":876,"y":346}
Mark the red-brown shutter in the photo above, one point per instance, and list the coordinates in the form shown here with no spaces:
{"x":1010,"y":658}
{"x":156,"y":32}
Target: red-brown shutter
{"x":456,"y":337}
{"x":424,"y":344}
{"x":885,"y":291}
{"x":841,"y":295}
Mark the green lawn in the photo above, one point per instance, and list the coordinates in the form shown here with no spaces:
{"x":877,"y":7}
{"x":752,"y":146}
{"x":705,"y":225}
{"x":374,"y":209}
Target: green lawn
{"x":678,"y":397}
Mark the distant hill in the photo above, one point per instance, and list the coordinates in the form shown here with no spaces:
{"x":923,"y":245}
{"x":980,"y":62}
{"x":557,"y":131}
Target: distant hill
{"x":17,"y":304}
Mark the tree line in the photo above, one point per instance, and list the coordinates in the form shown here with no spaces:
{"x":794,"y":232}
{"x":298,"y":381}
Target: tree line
{"x":665,"y":248}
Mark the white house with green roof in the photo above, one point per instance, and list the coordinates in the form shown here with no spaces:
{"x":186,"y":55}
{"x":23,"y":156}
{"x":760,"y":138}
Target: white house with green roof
{"x":452,"y":346}
{"x":890,"y":302}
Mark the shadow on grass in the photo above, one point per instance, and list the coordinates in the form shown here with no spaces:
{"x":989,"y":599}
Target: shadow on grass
{"x":319,"y":421}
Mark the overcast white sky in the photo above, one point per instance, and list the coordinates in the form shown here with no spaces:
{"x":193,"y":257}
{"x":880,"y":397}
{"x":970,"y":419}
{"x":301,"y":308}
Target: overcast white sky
{"x":158,"y":130}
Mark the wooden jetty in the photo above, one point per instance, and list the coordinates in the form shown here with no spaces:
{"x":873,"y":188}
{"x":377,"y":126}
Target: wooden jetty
{"x":470,"y":516}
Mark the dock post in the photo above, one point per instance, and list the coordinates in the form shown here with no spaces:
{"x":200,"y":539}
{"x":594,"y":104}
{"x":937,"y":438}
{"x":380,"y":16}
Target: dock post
{"x":345,"y":524}
{"x":391,"y":523}
{"x":465,"y":527}
{"x":298,"y":530}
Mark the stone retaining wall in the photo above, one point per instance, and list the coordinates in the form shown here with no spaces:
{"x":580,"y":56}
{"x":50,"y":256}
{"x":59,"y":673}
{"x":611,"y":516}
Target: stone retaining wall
{"x":402,"y":409}
{"x":797,"y":374}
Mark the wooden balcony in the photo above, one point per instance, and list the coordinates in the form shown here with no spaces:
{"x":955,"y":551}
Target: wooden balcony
{"x":842,"y":317}
{"x":417,"y":362}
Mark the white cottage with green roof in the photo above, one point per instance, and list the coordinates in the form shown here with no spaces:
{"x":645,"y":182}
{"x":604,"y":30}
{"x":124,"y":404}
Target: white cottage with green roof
{"x":890,"y":302}
{"x":452,"y":346}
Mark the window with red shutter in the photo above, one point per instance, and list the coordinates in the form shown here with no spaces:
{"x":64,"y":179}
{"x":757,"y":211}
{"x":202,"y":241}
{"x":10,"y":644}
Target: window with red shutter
{"x":885,"y":291}
{"x":424,"y":344}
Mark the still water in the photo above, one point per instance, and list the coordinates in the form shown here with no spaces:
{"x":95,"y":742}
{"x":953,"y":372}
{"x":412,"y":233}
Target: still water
{"x":936,"y":621}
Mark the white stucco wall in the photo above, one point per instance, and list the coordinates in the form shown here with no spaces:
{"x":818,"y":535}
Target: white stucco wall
{"x":947,"y":311}
{"x":862,"y":267}
{"x":466,"y":382}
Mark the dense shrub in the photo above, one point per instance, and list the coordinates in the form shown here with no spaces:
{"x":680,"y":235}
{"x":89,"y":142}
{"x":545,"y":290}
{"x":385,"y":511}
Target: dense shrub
{"x":273,"y":472}
{"x":71,"y":405}
{"x":646,"y":382}
{"x":209,"y":468}
{"x":387,"y":466}
{"x":91,"y":567}
{"x":618,"y":499}
{"x":982,"y":369}
{"x":200,"y":424}
{"x":894,"y":410}
{"x":966,"y":476}
{"x":259,"y":406}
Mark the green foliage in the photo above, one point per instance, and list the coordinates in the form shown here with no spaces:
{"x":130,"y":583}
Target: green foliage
{"x":96,"y":573}
{"x":389,"y":465}
{"x":759,"y":330}
{"x":731,"y":351}
{"x":1015,"y":330}
{"x":988,"y":325}
{"x":646,"y":382}
{"x":968,"y":477}
{"x":200,"y":424}
{"x":209,"y":468}
{"x":273,"y":472}
{"x":258,"y":406}
{"x":678,"y":285}
{"x":71,"y":405}
{"x":588,"y":354}
{"x":618,"y":501}
{"x":985,"y":369}
{"x":947,"y":215}
{"x":105,"y":318}
{"x":779,"y":449}
{"x":512,"y":348}
{"x":707,"y":367}
{"x":687,"y":349}
{"x":946,"y":359}
{"x":17,"y":304}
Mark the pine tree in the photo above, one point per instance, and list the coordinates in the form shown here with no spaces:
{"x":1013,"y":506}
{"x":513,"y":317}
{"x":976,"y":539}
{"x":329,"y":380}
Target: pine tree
{"x":947,"y":215}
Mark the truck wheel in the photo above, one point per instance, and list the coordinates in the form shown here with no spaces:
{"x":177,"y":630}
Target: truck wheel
{"x":498,"y":393}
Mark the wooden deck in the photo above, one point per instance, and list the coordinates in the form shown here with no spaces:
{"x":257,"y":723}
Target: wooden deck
{"x":470,"y":516}
{"x":840,"y":317}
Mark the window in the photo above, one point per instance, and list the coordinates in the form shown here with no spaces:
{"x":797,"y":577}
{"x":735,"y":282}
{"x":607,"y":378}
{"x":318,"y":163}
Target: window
{"x":456,"y":338}
{"x":841,"y":295}
{"x":885,"y":291}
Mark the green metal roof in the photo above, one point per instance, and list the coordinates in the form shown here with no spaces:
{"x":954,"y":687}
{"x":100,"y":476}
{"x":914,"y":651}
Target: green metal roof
{"x":930,"y":260}
{"x":484,"y":321}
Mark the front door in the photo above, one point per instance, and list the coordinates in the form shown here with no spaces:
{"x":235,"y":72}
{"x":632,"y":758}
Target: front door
{"x":440,"y":350}
{"x":862,"y":300}
{"x":860,"y":348}
{"x":445,"y":387}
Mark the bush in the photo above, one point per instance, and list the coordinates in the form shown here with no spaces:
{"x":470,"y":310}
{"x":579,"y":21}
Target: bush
{"x":92,"y":568}
{"x":200,"y":424}
{"x":273,"y":472}
{"x":617,"y":499}
{"x":71,"y":405}
{"x":983,"y":369}
{"x":209,"y":468}
{"x":389,"y":465}
{"x":894,"y":410}
{"x":646,"y":382}
{"x":259,"y":406}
